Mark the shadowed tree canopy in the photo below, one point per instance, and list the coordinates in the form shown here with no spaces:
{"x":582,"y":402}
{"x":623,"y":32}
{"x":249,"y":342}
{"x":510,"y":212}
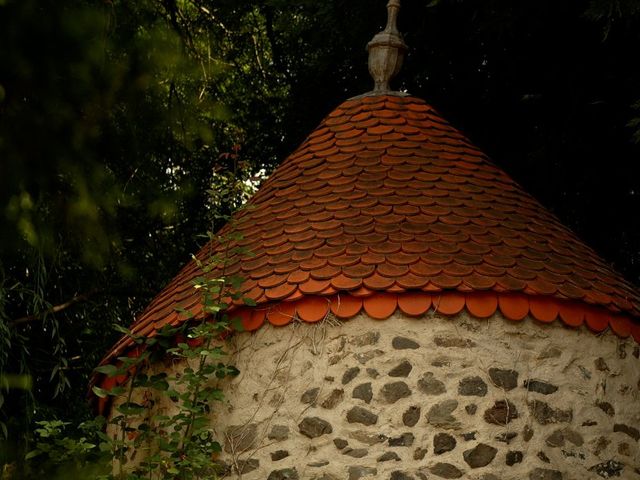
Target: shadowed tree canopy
{"x":128,"y":129}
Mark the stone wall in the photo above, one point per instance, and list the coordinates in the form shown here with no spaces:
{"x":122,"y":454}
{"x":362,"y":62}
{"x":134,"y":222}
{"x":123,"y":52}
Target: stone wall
{"x":431,"y":398}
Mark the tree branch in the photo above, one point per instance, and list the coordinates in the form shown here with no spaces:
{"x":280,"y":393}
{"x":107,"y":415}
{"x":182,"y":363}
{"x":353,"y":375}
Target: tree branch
{"x":54,"y":309}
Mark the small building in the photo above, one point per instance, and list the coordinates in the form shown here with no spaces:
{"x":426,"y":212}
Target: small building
{"x":417,"y":314}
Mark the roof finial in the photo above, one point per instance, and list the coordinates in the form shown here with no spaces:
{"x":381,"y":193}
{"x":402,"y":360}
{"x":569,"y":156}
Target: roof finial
{"x":386,"y":51}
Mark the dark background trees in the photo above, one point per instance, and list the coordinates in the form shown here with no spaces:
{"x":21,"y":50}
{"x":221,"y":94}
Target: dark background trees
{"x":123,"y":124}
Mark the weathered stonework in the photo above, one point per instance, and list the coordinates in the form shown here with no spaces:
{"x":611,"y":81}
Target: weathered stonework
{"x":430,"y":398}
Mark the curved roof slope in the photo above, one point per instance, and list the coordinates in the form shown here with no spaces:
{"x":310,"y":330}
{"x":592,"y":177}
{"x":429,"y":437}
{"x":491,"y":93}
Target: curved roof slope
{"x":385,"y":197}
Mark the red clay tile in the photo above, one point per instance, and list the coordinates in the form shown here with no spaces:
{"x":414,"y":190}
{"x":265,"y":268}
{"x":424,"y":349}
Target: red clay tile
{"x":380,"y":306}
{"x":449,"y":303}
{"x":544,"y":309}
{"x":414,"y":304}
{"x":251,"y":319}
{"x":482,"y":304}
{"x":280,"y":292}
{"x":514,"y":306}
{"x":597,"y":319}
{"x":313,"y":286}
{"x":282,"y":313}
{"x":446,"y":282}
{"x":312,"y":308}
{"x":621,"y":325}
{"x":346,"y":306}
{"x":378,"y":282}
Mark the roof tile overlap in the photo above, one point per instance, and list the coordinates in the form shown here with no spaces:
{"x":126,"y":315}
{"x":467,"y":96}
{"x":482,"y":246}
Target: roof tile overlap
{"x":385,"y":196}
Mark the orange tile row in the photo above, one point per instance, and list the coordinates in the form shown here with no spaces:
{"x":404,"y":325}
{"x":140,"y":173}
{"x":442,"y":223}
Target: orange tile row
{"x":482,"y":305}
{"x":385,"y":197}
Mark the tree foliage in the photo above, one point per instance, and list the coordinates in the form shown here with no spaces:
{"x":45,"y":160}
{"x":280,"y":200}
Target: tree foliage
{"x":126,"y":129}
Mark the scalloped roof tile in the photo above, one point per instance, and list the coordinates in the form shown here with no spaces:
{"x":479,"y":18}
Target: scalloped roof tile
{"x":386,"y":205}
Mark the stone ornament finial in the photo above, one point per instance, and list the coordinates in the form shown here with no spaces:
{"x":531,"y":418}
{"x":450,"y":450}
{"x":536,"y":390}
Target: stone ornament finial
{"x":387,"y":50}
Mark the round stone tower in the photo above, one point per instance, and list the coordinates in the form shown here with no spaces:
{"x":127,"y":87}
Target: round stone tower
{"x":418,"y":315}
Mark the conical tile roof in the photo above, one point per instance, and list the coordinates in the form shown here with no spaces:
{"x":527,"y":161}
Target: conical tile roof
{"x":384,"y":206}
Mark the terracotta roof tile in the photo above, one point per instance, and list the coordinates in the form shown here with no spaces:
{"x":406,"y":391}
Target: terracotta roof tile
{"x":386,"y":202}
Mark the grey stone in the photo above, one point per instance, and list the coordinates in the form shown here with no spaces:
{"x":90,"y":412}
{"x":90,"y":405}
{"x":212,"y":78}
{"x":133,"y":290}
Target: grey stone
{"x":505,"y":379}
{"x":501,"y":413}
{"x":333,"y":359}
{"x":350,"y":374}
{"x":363,"y":392}
{"x":278,"y":432}
{"x":246,"y":466}
{"x":404,"y":343}
{"x":387,"y":456}
{"x":585,"y":373}
{"x":398,"y":475}
{"x":469,"y":436}
{"x":550,"y":352}
{"x":329,"y":378}
{"x":310,"y":396}
{"x":373,"y":373}
{"x":392,"y":392}
{"x":446,"y":470}
{"x":545,"y":415}
{"x":471,"y":409}
{"x":626,"y":429}
{"x":442,"y":443}
{"x":318,"y":464}
{"x":601,"y":445}
{"x":527,"y":433}
{"x":624,"y":449}
{"x":513,"y":457}
{"x":539,"y":386}
{"x":479,"y":456}
{"x":333,"y":399}
{"x":284,"y":474}
{"x":556,"y":439}
{"x":544,"y":474}
{"x":608,"y":469}
{"x":543,"y":456}
{"x":411,"y":416}
{"x":313,"y":427}
{"x":472,"y":386}
{"x":279,"y":455}
{"x":369,"y":338}
{"x":506,"y":437}
{"x":355,"y":452}
{"x":453,"y":342}
{"x":361,"y":415}
{"x":573,"y":437}
{"x":357,"y":472}
{"x":430,"y":385}
{"x":239,"y":438}
{"x":607,"y":408}
{"x":441,"y":362}
{"x":340,"y":443}
{"x":439,"y":415}
{"x":404,"y":440}
{"x":601,"y":365}
{"x":401,"y":370}
{"x":368,"y":438}
{"x":366,"y":356}
{"x":419,"y":453}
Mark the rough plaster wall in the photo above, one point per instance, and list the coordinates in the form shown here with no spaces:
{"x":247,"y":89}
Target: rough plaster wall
{"x":431,"y":398}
